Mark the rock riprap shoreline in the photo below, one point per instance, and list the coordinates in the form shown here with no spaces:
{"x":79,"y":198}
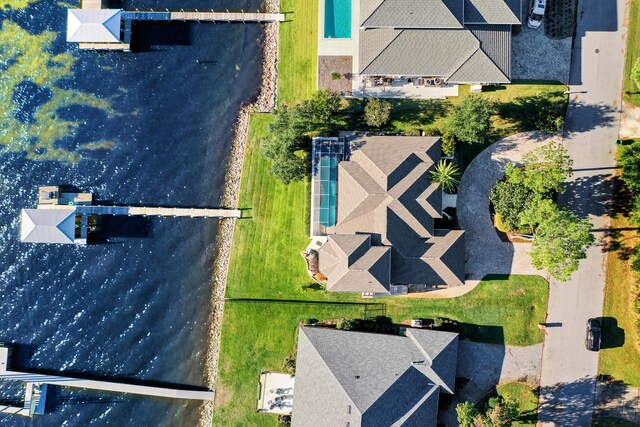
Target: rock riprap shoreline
{"x":265,"y":102}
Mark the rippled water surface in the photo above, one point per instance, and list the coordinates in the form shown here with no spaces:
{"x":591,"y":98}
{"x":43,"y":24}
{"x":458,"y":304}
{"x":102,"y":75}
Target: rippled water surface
{"x":152,"y":127}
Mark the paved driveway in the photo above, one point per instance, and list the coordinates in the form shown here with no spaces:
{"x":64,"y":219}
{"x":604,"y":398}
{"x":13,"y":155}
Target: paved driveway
{"x":485,"y":252}
{"x":487,"y":365}
{"x":593,"y":119}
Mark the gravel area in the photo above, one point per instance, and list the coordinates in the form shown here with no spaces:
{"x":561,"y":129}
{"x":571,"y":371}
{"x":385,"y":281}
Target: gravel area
{"x":485,"y":252}
{"x":487,"y":365}
{"x":338,"y":64}
{"x":535,"y":56}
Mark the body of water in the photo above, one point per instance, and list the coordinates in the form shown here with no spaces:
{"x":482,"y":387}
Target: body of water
{"x":136,"y":305}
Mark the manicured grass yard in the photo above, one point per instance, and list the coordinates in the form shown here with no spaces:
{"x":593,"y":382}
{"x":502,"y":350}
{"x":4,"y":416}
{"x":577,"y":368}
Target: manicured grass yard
{"x":526,"y":399}
{"x":297,"y":62}
{"x":623,"y":363}
{"x":633,"y":53}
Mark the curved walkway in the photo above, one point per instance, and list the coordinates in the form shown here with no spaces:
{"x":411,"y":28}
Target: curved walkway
{"x":485,"y":252}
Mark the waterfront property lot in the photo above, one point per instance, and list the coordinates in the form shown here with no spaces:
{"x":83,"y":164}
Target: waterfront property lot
{"x":260,"y":333}
{"x":632,"y":92}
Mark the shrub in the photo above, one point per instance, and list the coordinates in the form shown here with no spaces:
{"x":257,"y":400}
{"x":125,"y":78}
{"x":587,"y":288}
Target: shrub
{"x":377,"y":112}
{"x":412,"y":132}
{"x":446,"y":175}
{"x":448,"y":146}
{"x":509,"y":200}
{"x":336,"y":75}
{"x":629,"y":161}
{"x":348,"y":324}
{"x":469,"y":121}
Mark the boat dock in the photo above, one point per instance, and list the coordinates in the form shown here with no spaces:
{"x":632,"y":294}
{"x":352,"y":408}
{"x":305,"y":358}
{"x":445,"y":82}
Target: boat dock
{"x":36,"y":387}
{"x":63,"y":217}
{"x":110,"y":29}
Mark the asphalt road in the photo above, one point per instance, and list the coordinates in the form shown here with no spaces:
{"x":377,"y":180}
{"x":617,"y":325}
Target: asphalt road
{"x":593,"y":119}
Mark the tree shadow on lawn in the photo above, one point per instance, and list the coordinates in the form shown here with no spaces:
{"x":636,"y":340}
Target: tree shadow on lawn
{"x":416,"y":113}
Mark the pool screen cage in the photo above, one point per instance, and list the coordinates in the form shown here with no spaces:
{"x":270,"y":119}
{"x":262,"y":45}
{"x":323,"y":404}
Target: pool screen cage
{"x":326,"y":153}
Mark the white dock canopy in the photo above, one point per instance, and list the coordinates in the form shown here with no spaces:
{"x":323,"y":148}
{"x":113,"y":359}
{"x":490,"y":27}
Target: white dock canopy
{"x":47,"y":225}
{"x":93,"y":25}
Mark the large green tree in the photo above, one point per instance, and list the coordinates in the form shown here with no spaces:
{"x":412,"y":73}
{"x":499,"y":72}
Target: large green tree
{"x":288,"y":142}
{"x":470,"y":120}
{"x":377,"y":112}
{"x":545,"y":169}
{"x":559,"y":242}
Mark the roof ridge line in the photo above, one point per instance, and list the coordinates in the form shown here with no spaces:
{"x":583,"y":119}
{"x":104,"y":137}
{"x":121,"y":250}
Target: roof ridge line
{"x":382,"y":51}
{"x":485,"y":53}
{"x":372,"y":12}
{"x":468,"y":58}
{"x":332,"y":374}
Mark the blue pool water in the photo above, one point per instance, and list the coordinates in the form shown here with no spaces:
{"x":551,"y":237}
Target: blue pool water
{"x":337,"y":19}
{"x":135,"y":306}
{"x":329,"y":182}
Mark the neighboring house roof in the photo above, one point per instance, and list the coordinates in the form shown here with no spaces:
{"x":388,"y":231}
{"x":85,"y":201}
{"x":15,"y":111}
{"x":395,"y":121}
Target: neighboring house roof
{"x":93,"y":25}
{"x":386,"y":198}
{"x":464,"y":41}
{"x":47,"y":225}
{"x":369,"y":379}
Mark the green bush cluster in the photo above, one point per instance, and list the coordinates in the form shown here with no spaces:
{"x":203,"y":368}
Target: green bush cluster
{"x":289,"y":135}
{"x":524,"y":201}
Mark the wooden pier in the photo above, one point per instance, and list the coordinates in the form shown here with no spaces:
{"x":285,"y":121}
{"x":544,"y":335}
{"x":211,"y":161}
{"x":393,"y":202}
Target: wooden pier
{"x":31,"y":378}
{"x":148,"y":211}
{"x":228,"y":16}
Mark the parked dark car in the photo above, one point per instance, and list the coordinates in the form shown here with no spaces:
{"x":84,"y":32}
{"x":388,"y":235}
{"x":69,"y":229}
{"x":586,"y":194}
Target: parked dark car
{"x":594,"y":334}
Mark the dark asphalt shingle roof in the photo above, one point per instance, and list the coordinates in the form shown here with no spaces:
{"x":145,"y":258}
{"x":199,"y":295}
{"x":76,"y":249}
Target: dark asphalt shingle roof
{"x":432,"y":38}
{"x":371,"y":379}
{"x":385,"y":192}
{"x":489,"y":12}
{"x":416,"y":14}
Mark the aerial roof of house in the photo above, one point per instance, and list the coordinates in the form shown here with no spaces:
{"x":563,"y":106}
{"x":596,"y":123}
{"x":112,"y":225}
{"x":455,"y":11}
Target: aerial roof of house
{"x":363,"y":379}
{"x":386,"y":199}
{"x":93,"y":25}
{"x":464,"y":41}
{"x":47,"y":225}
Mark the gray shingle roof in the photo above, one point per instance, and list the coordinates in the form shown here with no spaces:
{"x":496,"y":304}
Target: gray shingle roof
{"x":429,"y":52}
{"x":371,"y":379}
{"x":352,"y":265}
{"x":478,"y":69}
{"x":431,"y":38}
{"x":414,"y":14}
{"x":489,"y":12}
{"x":385,"y":192}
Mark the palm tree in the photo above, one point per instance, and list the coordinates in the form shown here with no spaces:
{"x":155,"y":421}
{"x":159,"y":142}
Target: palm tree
{"x":446,"y":175}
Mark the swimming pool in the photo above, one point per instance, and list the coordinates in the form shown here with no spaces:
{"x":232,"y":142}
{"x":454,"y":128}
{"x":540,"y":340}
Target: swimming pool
{"x":337,"y":19}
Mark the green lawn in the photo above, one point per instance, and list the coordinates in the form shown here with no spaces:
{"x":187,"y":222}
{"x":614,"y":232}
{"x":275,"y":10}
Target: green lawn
{"x":633,"y":53}
{"x":297,"y":52}
{"x":622,"y":362}
{"x":527,"y":400}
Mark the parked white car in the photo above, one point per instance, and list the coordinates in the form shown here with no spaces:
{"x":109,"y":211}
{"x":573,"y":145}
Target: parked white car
{"x":537,"y":13}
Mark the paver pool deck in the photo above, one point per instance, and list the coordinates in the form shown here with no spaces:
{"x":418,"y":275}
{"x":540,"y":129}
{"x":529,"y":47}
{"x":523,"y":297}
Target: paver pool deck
{"x":485,"y":252}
